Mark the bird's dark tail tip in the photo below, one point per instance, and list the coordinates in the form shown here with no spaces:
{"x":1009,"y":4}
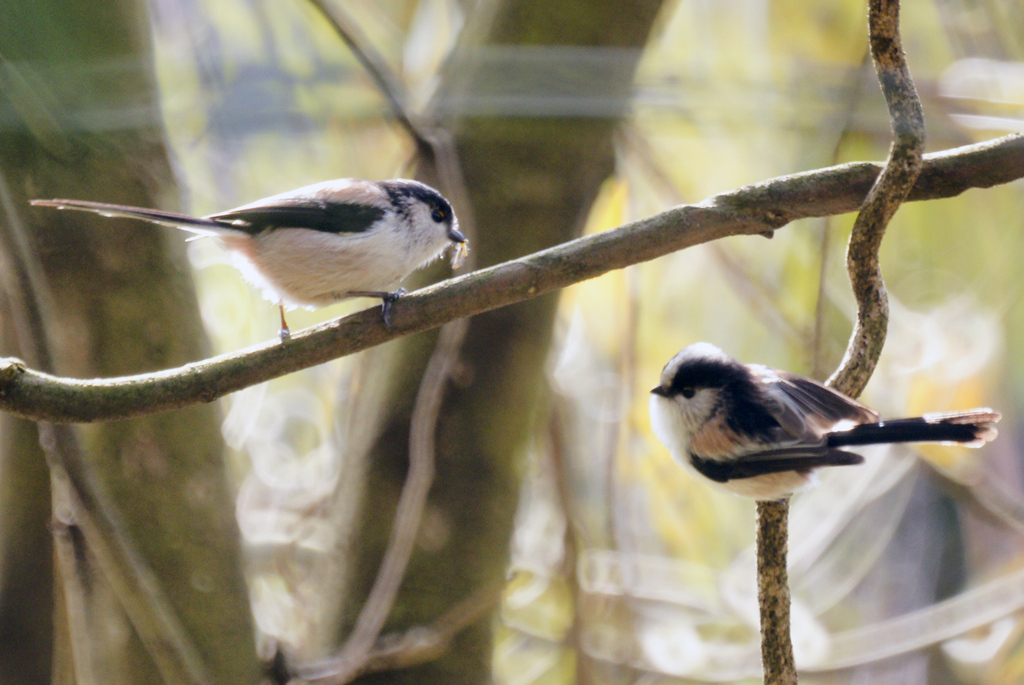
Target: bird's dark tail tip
{"x":971,"y":428}
{"x":982,"y":421}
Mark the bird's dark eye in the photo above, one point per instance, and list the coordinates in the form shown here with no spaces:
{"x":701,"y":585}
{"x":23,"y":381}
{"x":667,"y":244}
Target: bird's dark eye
{"x":688,"y":392}
{"x":437,"y":215}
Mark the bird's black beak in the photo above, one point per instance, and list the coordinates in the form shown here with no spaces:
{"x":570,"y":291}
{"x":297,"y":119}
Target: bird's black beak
{"x":658,"y":390}
{"x":456,"y":236}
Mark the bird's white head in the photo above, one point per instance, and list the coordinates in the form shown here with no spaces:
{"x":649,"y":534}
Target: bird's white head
{"x":426,"y":216}
{"x":690,"y":392}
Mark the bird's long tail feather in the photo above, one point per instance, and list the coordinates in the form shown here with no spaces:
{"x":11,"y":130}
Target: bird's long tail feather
{"x":972,"y":428}
{"x":183,"y":221}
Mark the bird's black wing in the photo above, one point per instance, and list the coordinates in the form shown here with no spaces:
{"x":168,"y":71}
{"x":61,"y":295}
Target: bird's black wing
{"x":776,"y":460}
{"x":311,"y":207}
{"x":313,"y":214}
{"x":806,"y":408}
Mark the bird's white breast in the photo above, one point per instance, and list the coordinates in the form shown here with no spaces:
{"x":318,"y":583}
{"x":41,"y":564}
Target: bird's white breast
{"x":310,"y":268}
{"x":670,"y":427}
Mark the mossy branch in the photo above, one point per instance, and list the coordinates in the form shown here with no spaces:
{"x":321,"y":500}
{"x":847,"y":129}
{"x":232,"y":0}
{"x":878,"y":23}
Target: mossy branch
{"x":751,"y":210}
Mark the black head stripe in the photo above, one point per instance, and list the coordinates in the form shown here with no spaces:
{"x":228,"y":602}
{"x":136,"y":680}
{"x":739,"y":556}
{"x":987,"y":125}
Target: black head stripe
{"x":743,"y":396}
{"x":708,"y":373}
{"x":402,"y":192}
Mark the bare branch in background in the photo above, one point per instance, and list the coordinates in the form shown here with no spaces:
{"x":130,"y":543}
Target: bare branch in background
{"x":376,"y":66}
{"x":434,"y":147}
{"x":889,"y":191}
{"x":84,"y":519}
{"x":761,"y":298}
{"x":758,"y":295}
{"x":750,"y":210}
{"x":852,"y":96}
{"x":358,"y":648}
{"x":436,"y":152}
{"x":421,"y":644}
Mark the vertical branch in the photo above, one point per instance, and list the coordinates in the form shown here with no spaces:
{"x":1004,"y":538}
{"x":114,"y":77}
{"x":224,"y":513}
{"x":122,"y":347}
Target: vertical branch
{"x":889,"y":191}
{"x":773,"y":593}
{"x":571,"y":540}
{"x":865,"y":346}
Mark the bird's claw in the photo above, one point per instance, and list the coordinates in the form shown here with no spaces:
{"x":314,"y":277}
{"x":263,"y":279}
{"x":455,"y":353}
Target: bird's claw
{"x":388,"y":300}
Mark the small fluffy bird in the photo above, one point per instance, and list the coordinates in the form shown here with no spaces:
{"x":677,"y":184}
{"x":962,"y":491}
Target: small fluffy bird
{"x":760,"y":433}
{"x":321,"y":243}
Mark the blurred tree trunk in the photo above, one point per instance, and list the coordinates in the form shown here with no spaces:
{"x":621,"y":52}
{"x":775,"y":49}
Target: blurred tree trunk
{"x":26,"y":550}
{"x":531,"y":180}
{"x":78,"y":102}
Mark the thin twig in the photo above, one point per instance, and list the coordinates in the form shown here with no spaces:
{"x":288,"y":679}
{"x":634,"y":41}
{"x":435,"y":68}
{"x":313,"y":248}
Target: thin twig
{"x":377,"y":68}
{"x":750,"y":210}
{"x":561,"y":475}
{"x":422,"y":644}
{"x":853,"y":89}
{"x":435,"y":148}
{"x":890,"y":189}
{"x":418,"y":646}
{"x":755,"y":293}
{"x":355,"y":654}
{"x":440,"y":160}
{"x":818,"y":330}
{"x":760,"y":297}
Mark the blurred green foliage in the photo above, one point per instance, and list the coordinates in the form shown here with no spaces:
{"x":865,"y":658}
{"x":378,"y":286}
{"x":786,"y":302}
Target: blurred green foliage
{"x":260,"y":97}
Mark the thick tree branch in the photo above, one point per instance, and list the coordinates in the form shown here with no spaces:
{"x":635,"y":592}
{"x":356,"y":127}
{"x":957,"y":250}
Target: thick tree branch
{"x":751,"y":210}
